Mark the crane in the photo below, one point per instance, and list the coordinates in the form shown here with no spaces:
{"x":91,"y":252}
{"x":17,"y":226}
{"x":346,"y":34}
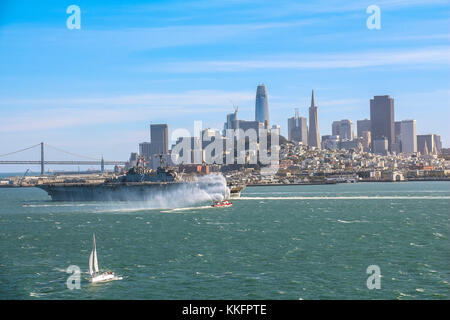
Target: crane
{"x":23,"y":177}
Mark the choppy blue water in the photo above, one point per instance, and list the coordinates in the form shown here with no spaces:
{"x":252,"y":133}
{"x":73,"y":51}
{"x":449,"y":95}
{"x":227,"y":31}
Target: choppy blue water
{"x":289,"y":242}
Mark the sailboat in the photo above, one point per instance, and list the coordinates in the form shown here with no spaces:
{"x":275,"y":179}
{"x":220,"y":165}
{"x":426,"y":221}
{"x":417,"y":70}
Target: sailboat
{"x":96,"y":276}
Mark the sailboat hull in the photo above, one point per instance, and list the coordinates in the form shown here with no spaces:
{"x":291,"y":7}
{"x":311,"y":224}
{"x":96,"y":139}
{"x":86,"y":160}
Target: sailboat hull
{"x":103,"y":278}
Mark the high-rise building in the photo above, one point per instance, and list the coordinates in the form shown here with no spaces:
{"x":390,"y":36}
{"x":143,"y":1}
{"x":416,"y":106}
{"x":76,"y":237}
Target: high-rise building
{"x":366,"y":140}
{"x":408,"y":136}
{"x":425,"y":143}
{"x":343,"y":129}
{"x":335,"y":126}
{"x":298,"y":129}
{"x":397,"y":131}
{"x":363,"y":125}
{"x":429,"y":144}
{"x":145,"y":151}
{"x":159,"y":138}
{"x":382,"y":119}
{"x":276,"y":129}
{"x":229,"y":124}
{"x":438,"y":143}
{"x":262,"y":105}
{"x":396,"y":146}
{"x":313,"y":134}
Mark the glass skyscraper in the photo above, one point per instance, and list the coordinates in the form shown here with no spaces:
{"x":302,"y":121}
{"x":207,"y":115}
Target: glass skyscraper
{"x":262,"y":105}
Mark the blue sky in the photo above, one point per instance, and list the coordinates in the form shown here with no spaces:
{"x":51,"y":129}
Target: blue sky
{"x":95,"y":90}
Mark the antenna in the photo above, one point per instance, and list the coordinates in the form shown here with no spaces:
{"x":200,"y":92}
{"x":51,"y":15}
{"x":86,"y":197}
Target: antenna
{"x":296,"y":112}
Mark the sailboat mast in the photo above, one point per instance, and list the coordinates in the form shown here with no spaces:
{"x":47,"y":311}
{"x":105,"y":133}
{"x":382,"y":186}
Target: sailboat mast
{"x":95,"y":256}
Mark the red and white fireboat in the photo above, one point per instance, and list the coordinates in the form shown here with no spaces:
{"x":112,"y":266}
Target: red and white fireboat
{"x":223,"y":203}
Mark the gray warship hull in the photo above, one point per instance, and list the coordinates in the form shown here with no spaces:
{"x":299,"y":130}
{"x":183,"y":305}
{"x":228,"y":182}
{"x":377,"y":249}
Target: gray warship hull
{"x":129,"y":191}
{"x":112,"y":191}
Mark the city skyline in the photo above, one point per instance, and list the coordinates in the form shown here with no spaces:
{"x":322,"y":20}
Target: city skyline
{"x":56,"y":86}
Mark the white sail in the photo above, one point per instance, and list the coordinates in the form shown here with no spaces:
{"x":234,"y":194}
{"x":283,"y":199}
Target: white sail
{"x":95,"y":257}
{"x":91,"y":260}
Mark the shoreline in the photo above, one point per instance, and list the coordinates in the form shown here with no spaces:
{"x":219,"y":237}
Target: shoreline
{"x":287,"y":184}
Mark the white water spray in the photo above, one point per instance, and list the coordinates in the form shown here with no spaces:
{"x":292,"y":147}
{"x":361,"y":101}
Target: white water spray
{"x":206,"y":189}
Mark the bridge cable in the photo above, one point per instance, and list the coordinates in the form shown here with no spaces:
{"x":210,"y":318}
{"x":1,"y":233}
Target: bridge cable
{"x":70,"y":153}
{"x":7,"y":154}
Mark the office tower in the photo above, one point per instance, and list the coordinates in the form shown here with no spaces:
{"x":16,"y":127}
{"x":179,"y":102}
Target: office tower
{"x":335,"y":128}
{"x":229,"y":124}
{"x":397,"y":131}
{"x":396,"y":146}
{"x":363,"y":125}
{"x":382,"y":119}
{"x":262,"y":105}
{"x":380,"y":146}
{"x":298,"y":129}
{"x":313,"y":135}
{"x":408,"y":136}
{"x":145,"y":150}
{"x":366,"y":140}
{"x":438,"y":143}
{"x":159,"y":138}
{"x":159,"y":144}
{"x":343,"y":129}
{"x":276,"y":129}
{"x":346,"y":130}
{"x":428,"y":143}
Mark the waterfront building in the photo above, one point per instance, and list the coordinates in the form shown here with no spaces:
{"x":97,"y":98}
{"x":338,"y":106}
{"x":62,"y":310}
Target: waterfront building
{"x":382,"y":119}
{"x":313,"y":134}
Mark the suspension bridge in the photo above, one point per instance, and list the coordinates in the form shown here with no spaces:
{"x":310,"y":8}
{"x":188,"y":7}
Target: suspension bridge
{"x":42,"y":162}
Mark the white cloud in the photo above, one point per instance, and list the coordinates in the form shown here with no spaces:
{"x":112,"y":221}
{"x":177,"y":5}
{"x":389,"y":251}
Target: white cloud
{"x":427,"y":56}
{"x":71,"y":112}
